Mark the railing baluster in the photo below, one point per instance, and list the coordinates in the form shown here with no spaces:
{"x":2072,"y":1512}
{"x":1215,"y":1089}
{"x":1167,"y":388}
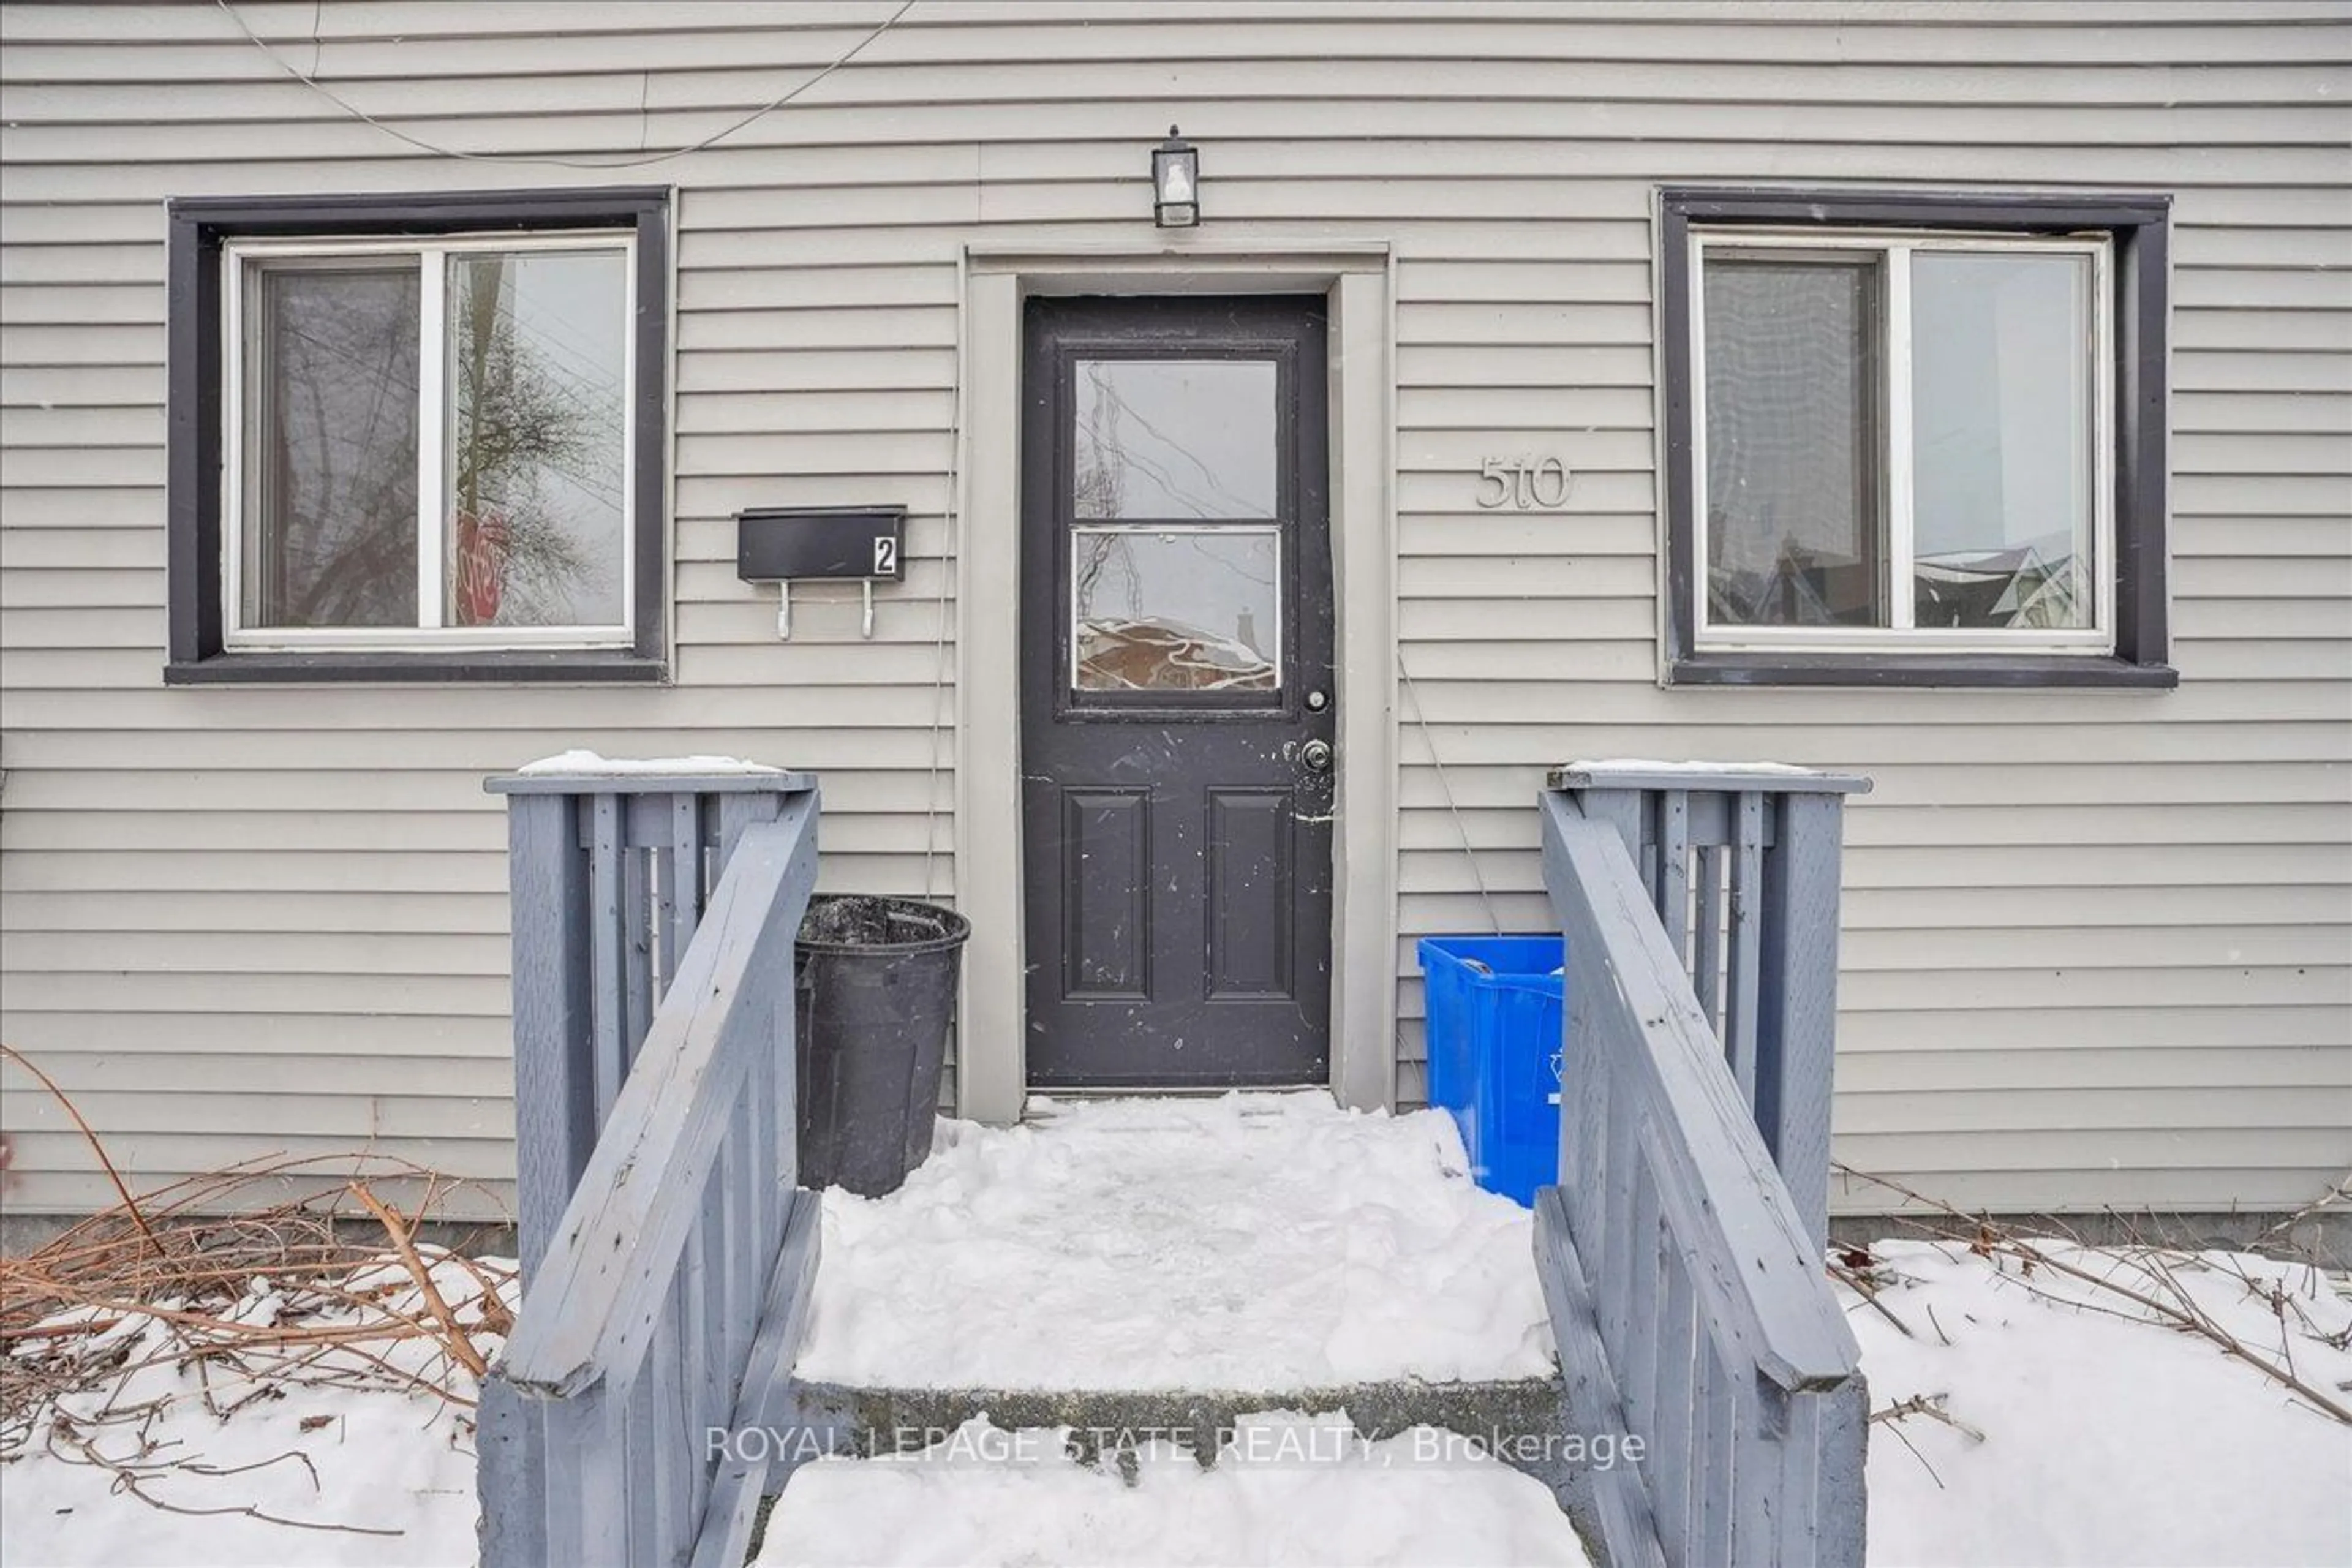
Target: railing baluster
{"x":637,"y":945}
{"x":684,"y":911}
{"x":1706,"y":948}
{"x":1585,"y":1074}
{"x":739,"y":1235}
{"x":1638,"y":1379}
{"x":765,"y":1175}
{"x":661,"y":920}
{"x":1747,"y":894}
{"x":707,"y":1326}
{"x":1709,"y":1539}
{"x":1628,"y":1173}
{"x":1674,"y":870}
{"x":612,"y":1037}
{"x":656,"y":1433}
{"x":1763,"y":1420}
{"x":1670,"y":1450}
{"x":584,"y":1441}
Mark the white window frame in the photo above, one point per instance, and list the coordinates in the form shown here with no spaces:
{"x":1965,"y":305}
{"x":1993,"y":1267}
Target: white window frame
{"x":434,"y":414}
{"x":1896,"y":247}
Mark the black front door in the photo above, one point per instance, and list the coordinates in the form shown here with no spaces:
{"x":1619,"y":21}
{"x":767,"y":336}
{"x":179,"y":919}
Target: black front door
{"x":1177,"y":707}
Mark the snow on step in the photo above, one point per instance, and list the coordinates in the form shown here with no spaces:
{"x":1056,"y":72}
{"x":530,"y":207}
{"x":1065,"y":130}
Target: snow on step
{"x":1257,"y":1242}
{"x":1286,"y":1490}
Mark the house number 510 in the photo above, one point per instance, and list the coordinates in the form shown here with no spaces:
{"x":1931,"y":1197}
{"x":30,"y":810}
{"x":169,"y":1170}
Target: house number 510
{"x":1522,"y":482}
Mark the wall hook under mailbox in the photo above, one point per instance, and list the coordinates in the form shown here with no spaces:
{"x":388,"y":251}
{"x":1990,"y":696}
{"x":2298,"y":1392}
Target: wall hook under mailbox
{"x":779,"y":544}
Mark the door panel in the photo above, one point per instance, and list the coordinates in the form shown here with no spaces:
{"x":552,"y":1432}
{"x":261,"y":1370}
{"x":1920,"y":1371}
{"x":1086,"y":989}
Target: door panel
{"x":1107,"y":912}
{"x":1177,"y":703}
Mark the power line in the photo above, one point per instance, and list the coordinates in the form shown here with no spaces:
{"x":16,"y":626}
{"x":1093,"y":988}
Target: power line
{"x":356,"y":112}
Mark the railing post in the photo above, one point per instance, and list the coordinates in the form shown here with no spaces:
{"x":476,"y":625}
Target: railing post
{"x":582,"y":848}
{"x":555,"y":1105}
{"x":1796,"y":1035}
{"x":1688,"y":1301}
{"x":1779,"y":829}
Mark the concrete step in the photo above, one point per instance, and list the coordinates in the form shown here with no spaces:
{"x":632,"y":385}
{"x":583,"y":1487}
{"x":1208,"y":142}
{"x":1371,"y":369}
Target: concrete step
{"x":1519,"y":1421}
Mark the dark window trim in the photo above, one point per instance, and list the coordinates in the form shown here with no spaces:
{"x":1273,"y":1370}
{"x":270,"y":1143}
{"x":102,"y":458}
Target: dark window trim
{"x":199,"y":225}
{"x":2140,"y":226}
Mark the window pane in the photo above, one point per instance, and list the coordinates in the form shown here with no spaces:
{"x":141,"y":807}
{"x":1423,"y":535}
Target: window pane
{"x":1167,"y":438}
{"x":1794,"y":536}
{"x":536,"y":362}
{"x":329,"y":462}
{"x":1174,"y":610}
{"x":2000,"y":400}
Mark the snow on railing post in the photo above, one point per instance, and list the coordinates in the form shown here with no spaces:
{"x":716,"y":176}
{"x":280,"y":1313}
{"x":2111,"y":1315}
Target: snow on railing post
{"x":654,"y":907}
{"x":1684,"y":1275}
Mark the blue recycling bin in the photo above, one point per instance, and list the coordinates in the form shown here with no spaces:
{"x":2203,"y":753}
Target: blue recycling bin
{"x":1495,"y":1038}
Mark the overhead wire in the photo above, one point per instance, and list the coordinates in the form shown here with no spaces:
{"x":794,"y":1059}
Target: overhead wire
{"x":638,"y":162}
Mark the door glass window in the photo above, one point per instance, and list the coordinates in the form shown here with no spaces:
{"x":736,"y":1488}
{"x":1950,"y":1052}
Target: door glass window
{"x":1175,"y":610}
{"x":1175,"y":438}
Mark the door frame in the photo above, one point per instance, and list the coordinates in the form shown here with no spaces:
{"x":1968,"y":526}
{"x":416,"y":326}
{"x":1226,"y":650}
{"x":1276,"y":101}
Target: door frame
{"x":1357,"y":283}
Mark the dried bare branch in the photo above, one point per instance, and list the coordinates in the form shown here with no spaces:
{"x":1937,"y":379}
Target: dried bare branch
{"x":130,"y":1205}
{"x":460,"y":1344}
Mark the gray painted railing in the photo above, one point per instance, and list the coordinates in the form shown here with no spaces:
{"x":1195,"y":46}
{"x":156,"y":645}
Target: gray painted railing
{"x":1681,"y":1253}
{"x":666,"y":1256}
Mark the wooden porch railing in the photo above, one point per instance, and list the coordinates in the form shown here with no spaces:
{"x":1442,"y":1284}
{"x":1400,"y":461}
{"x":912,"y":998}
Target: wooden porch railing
{"x":1681,"y":1251}
{"x":666,"y":1256}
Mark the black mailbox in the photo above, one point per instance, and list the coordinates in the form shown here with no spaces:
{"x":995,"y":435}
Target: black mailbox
{"x":781,"y":544}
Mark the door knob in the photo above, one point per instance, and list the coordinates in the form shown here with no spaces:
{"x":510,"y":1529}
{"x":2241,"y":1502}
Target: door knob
{"x":1316,"y":755}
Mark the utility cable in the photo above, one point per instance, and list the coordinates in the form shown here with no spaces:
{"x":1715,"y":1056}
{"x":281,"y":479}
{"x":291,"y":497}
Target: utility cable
{"x":356,"y":112}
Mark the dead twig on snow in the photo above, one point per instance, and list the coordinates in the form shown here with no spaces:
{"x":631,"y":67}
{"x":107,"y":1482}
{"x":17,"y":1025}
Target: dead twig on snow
{"x":2181,"y":1311}
{"x":1931,"y":1405}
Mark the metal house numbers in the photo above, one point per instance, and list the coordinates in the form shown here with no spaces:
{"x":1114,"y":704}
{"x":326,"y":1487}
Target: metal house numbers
{"x":1529,"y":484}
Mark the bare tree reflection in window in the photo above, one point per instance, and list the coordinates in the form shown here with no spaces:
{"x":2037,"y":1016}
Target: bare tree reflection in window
{"x":535,"y":470}
{"x":330,"y":405}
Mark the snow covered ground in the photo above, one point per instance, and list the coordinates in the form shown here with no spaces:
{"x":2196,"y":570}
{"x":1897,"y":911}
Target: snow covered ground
{"x":1281,"y":1244}
{"x":1248,"y":1242}
{"x":2107,"y":1439}
{"x":1286,"y":1490}
{"x":185,"y":1465}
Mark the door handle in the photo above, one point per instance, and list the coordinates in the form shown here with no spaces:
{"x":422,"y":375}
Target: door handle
{"x":1317,"y":756}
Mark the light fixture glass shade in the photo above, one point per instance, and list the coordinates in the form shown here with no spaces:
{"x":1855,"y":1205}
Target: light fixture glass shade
{"x":1175,"y":182}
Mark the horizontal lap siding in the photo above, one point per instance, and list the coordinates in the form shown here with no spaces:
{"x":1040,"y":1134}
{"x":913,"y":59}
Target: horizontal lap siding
{"x":2096,"y":943}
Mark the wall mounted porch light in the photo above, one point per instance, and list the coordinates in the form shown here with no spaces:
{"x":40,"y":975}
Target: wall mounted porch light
{"x":1175,"y":182}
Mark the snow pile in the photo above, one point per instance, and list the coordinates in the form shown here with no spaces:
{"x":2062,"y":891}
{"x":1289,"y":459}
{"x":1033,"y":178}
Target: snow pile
{"x":2107,"y":1439}
{"x":332,"y":1443}
{"x":590,"y":764}
{"x":1259,"y":1243}
{"x":1286,"y":1489}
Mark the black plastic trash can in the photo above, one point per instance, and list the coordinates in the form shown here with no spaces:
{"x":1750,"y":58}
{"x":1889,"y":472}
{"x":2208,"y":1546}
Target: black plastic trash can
{"x":875,"y":980}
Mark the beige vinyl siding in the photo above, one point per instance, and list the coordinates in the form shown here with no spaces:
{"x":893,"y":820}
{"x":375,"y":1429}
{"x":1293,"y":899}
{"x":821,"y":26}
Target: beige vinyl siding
{"x":2099,"y":945}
